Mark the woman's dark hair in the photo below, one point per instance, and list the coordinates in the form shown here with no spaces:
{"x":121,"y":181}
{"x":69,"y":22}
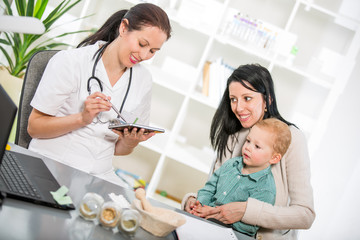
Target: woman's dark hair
{"x":140,"y":15}
{"x":224,"y":122}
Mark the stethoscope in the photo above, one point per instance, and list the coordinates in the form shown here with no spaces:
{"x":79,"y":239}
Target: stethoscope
{"x":93,"y":77}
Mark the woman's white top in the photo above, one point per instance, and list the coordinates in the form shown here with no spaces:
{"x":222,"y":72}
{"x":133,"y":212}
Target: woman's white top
{"x":63,"y":90}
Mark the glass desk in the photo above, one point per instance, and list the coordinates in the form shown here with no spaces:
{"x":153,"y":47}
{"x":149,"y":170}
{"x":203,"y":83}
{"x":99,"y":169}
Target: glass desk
{"x":23,"y":220}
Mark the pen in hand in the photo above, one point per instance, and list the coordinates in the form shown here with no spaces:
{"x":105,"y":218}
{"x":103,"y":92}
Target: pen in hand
{"x":122,"y":119}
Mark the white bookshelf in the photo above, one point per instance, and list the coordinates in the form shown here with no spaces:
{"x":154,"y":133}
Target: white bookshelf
{"x":307,"y":88}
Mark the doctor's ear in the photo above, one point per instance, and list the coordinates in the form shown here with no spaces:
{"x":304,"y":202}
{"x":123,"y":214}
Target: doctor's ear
{"x":123,"y":27}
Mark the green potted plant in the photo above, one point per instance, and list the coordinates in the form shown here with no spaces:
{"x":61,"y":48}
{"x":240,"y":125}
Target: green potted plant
{"x":19,"y":47}
{"x":23,"y":46}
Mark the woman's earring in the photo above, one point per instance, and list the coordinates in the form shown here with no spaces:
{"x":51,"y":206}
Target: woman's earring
{"x":265,"y":109}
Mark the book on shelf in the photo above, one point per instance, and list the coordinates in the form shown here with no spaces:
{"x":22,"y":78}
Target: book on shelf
{"x":206,"y":78}
{"x":257,"y":34}
{"x":215,"y":76}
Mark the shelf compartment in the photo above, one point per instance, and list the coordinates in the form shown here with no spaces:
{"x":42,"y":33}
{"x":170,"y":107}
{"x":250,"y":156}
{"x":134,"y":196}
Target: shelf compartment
{"x":316,"y":78}
{"x":237,"y":53}
{"x":206,"y":14}
{"x":206,"y":100}
{"x":141,"y":162}
{"x":212,"y":82}
{"x":178,"y":179}
{"x":196,"y":127}
{"x":275,"y":12}
{"x":157,"y":142}
{"x":173,"y":80}
{"x":166,"y":200}
{"x":199,"y":159}
{"x":164,"y":106}
{"x":321,"y":43}
{"x":192,"y":145}
{"x":332,"y":6}
{"x":181,"y":47}
{"x":289,"y":88}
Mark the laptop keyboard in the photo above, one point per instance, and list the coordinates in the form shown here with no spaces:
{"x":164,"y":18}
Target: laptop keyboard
{"x":15,"y":178}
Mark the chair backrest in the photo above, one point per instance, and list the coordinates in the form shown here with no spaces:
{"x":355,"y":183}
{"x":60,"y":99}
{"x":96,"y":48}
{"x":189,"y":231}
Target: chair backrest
{"x":33,"y":74}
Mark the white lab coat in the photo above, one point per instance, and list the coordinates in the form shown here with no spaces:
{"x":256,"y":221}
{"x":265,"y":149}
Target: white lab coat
{"x":63,"y":90}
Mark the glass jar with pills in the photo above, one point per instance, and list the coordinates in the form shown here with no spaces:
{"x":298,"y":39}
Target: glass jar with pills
{"x":90,"y":206}
{"x":130,"y":221}
{"x":110,"y":214}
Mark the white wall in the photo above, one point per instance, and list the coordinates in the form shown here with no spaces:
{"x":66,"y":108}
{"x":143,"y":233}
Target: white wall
{"x":336,"y":170}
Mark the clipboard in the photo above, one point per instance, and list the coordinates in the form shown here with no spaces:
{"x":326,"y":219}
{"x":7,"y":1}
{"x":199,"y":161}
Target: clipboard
{"x":130,"y":126}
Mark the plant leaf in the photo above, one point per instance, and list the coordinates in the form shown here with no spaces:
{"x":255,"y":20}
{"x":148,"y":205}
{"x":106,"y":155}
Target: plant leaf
{"x":8,"y":58}
{"x":60,"y":10}
{"x":23,"y":46}
{"x":21,"y":7}
{"x":8,"y":7}
{"x":40,"y":7}
{"x":3,"y":41}
{"x":30,"y":8}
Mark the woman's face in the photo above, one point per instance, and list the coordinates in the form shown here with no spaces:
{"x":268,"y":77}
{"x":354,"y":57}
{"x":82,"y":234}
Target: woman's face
{"x":248,"y":106}
{"x":137,"y":46}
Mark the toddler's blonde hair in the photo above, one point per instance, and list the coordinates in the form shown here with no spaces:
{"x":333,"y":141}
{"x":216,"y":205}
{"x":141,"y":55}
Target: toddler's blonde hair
{"x":281,"y":131}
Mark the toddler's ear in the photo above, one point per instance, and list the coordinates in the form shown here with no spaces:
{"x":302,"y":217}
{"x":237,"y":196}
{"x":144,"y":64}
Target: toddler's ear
{"x":275,"y":158}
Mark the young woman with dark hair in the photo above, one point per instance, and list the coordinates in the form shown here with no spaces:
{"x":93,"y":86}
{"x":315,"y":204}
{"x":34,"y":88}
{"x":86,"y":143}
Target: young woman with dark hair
{"x":225,"y":123}
{"x":250,"y":97}
{"x":72,"y":105}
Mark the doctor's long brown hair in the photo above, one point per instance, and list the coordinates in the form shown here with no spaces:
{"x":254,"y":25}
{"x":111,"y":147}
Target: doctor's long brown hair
{"x":140,"y":15}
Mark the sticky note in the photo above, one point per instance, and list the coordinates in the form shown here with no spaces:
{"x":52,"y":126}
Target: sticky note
{"x":59,"y":196}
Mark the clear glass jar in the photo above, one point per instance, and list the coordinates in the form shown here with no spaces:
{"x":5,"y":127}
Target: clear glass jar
{"x":110,"y":214}
{"x":90,"y":206}
{"x":130,"y":221}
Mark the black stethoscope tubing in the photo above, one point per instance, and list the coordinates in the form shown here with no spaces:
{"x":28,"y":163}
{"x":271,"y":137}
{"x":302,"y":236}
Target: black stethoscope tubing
{"x":93,"y":77}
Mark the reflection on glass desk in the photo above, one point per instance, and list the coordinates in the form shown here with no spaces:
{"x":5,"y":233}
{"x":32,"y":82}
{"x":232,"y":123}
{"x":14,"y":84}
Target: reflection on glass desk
{"x":23,"y":220}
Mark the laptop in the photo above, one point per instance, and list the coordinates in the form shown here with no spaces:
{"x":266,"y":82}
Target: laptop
{"x":37,"y":180}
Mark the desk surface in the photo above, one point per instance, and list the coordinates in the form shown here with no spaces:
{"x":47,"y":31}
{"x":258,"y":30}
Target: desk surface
{"x":22,"y":220}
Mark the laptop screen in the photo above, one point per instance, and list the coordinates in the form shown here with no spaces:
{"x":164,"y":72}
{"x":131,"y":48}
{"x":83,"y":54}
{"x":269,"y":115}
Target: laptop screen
{"x":8,"y":111}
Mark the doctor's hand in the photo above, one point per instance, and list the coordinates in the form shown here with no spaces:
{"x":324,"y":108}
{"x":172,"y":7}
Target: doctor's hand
{"x":94,"y":104}
{"x":128,"y":140}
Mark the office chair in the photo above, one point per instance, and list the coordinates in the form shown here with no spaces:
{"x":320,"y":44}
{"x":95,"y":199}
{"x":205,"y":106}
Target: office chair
{"x":33,"y":74}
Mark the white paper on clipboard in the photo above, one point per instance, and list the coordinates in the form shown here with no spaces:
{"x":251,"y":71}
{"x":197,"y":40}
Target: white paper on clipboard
{"x":197,"y":229}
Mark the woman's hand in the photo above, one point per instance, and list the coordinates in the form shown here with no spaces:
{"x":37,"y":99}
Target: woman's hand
{"x":94,"y":104}
{"x":199,"y":209}
{"x":128,"y":140}
{"x":227,"y":213}
{"x":190,"y":203}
